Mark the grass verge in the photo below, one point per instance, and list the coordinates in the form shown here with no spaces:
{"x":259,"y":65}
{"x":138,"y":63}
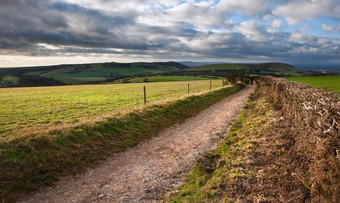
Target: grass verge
{"x":257,"y":162}
{"x":218,"y":170}
{"x":29,"y":163}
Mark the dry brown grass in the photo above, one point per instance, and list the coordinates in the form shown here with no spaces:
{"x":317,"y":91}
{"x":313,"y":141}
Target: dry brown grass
{"x":284,"y":148}
{"x":312,"y":118}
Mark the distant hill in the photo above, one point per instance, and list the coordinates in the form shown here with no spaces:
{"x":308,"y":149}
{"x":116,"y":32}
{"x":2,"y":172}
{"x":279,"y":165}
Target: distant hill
{"x":276,"y":69}
{"x":108,"y":72}
{"x":324,"y":68}
{"x":194,"y":64}
{"x":90,"y":73}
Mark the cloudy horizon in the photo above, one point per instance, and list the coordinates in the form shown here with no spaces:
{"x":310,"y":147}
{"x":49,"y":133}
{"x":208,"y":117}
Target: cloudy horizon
{"x":50,"y":32}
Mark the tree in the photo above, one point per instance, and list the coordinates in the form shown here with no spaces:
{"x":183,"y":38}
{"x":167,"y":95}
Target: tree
{"x":236,"y":77}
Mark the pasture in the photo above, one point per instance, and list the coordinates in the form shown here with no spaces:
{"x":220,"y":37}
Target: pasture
{"x":167,"y":78}
{"x":331,"y":83}
{"x":25,"y":110}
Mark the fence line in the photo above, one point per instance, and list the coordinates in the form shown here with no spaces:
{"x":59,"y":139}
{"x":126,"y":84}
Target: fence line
{"x":188,"y":89}
{"x":144,"y":90}
{"x":37,"y":107}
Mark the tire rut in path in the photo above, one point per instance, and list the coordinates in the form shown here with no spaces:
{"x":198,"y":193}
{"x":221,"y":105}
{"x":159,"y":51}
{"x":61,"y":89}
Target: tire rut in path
{"x":154,"y":167}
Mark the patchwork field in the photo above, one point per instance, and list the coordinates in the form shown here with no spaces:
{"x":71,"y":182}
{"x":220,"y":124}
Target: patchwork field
{"x":24,"y":110}
{"x":277,"y":69}
{"x":81,"y":73}
{"x":327,"y":82}
{"x":168,"y":78}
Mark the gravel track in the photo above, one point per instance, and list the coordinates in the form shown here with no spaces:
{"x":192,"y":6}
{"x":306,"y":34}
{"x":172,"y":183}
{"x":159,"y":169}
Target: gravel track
{"x":146,"y":172}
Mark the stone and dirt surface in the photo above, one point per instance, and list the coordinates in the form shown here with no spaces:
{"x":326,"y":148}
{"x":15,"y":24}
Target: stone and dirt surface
{"x":146,"y":172}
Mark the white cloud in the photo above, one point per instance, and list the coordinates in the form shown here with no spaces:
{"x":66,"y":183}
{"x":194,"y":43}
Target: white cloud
{"x":295,"y":11}
{"x":252,"y":31}
{"x":112,"y":6}
{"x":330,"y":28}
{"x":301,"y":38}
{"x":246,"y":7}
{"x":276,"y":23}
{"x":303,"y":49}
{"x":166,"y":3}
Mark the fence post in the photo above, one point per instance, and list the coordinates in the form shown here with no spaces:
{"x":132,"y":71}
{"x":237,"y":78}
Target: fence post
{"x":144,"y":90}
{"x":188,"y":89}
{"x":210,"y":85}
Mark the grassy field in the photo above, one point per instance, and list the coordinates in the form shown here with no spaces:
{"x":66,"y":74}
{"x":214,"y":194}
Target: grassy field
{"x":27,"y":163}
{"x":276,"y":69}
{"x":24,"y":110}
{"x":215,"y":67}
{"x":74,"y":74}
{"x":169,"y":78}
{"x":327,"y":82}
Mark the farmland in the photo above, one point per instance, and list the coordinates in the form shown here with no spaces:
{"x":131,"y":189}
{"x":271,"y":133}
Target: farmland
{"x":40,"y":158}
{"x":327,"y":82}
{"x":215,"y":67}
{"x":277,"y":69}
{"x":96,"y":73}
{"x":167,"y":78}
{"x":24,"y":110}
{"x":82,"y":73}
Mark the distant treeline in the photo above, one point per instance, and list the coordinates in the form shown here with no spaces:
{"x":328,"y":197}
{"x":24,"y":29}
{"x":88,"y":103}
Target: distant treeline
{"x":27,"y":81}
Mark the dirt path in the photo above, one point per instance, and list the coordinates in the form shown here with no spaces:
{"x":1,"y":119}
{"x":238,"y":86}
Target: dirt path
{"x":154,"y":167}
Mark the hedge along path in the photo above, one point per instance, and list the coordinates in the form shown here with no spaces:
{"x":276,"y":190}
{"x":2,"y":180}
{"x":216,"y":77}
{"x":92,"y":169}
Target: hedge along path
{"x":145,"y":172}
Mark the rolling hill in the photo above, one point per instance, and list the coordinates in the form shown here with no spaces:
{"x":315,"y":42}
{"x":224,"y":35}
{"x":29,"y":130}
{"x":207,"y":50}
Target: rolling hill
{"x":85,"y":73}
{"x":108,"y":72}
{"x":276,"y":69}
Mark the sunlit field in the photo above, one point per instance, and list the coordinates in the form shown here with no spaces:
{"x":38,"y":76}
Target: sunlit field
{"x":331,"y":83}
{"x":27,"y":109}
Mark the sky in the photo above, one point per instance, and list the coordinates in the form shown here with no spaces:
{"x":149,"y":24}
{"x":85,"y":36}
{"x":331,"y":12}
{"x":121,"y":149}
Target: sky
{"x":48,"y":32}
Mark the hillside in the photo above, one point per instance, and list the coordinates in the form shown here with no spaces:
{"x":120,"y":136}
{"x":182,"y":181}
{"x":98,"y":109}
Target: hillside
{"x":90,"y":73}
{"x":275,"y":69}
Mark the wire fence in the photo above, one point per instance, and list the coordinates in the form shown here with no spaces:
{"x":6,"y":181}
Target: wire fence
{"x":41,"y":106}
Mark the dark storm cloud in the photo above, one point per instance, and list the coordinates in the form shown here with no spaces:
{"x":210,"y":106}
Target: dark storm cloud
{"x":44,"y":22}
{"x":95,"y":21}
{"x":198,"y":30}
{"x":29,"y":14}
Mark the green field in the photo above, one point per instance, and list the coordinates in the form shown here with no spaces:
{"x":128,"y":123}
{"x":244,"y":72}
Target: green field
{"x":331,"y":83}
{"x":86,"y":73}
{"x":275,"y":69}
{"x":168,"y":78}
{"x":215,"y":67}
{"x":24,"y":110}
{"x":41,"y":158}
